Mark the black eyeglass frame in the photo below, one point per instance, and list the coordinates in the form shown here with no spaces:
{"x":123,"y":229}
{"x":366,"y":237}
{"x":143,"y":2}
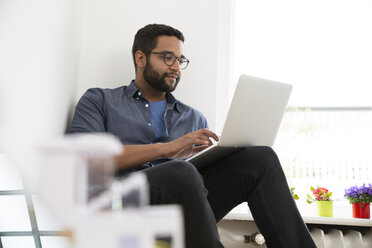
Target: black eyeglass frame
{"x":185,"y":60}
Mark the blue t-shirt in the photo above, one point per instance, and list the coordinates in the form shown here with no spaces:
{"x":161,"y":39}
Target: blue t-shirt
{"x":157,"y":117}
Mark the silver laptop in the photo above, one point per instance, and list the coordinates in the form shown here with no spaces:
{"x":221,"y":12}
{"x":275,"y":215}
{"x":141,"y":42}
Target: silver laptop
{"x":253,"y":119}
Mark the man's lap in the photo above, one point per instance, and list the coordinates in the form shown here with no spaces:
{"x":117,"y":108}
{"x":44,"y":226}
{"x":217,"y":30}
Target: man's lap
{"x":228,"y":182}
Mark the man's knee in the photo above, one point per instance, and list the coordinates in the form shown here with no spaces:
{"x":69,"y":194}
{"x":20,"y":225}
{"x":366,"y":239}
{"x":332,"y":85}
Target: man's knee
{"x":263,"y":156}
{"x":185,"y":174}
{"x":266,"y":153}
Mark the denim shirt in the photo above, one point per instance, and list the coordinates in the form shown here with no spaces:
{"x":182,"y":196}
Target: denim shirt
{"x":125,"y":113}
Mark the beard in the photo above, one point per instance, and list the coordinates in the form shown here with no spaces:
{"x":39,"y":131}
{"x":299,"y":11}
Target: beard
{"x":157,"y":81}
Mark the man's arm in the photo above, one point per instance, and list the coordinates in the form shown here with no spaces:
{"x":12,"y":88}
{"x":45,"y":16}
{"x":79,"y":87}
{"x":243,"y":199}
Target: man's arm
{"x":90,"y":117}
{"x":182,"y":147}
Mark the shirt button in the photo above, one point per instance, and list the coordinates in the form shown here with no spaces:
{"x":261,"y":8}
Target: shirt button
{"x":149,"y":124}
{"x":146,"y":105}
{"x":137,"y":98}
{"x":139,"y":93}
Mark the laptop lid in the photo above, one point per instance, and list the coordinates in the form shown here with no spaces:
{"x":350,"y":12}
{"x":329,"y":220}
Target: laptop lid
{"x":255,"y":112}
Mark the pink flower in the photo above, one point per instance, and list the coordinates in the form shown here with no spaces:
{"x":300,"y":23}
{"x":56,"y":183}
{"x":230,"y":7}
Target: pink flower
{"x":320,"y":194}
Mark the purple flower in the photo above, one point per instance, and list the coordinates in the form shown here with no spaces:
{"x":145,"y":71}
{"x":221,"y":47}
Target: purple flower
{"x":361,"y":194}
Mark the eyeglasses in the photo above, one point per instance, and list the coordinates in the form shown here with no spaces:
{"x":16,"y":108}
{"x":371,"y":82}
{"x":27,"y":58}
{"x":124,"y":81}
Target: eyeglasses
{"x":170,"y":59}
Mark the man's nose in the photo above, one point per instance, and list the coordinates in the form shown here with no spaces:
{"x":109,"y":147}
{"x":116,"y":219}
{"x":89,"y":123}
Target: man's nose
{"x":176,"y":65}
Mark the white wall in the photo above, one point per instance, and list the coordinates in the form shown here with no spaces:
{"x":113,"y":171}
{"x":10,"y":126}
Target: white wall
{"x":109,"y":27}
{"x":39,"y":46}
{"x":42,"y":65}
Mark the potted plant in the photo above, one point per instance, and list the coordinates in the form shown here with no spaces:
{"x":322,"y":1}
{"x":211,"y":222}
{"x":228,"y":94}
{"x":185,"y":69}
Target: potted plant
{"x":360,"y":198}
{"x":324,"y":204}
{"x":295,"y":196}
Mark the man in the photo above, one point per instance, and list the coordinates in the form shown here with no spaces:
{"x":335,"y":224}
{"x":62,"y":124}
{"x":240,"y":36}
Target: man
{"x":154,"y":126}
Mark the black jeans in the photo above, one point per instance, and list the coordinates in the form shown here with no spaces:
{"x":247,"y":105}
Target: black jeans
{"x":252,"y":175}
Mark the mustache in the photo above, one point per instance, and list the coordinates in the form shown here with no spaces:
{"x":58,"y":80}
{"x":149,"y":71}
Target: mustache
{"x":170,"y":74}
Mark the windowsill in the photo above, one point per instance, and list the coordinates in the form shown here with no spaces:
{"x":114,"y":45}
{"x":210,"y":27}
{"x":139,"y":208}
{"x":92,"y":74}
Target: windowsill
{"x":342,"y":215}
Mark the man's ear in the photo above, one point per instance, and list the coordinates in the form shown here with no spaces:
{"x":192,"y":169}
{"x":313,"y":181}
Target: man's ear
{"x":140,"y":59}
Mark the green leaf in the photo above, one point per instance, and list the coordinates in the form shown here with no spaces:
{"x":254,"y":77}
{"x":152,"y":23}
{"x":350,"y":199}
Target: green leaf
{"x":312,"y":188}
{"x":295,"y":196}
{"x":309,"y":197}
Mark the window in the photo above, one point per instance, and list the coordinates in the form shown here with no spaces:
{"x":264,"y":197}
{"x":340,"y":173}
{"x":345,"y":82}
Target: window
{"x":323,"y":49}
{"x":24,"y":221}
{"x":329,"y":147}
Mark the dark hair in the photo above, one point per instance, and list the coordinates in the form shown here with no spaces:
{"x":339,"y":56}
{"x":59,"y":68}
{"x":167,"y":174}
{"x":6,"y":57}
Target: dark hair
{"x":146,"y":38}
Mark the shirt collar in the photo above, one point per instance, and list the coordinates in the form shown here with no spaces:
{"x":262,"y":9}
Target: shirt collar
{"x":172,"y":102}
{"x":133,"y":91}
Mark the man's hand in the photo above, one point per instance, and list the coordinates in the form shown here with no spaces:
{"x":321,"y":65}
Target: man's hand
{"x":182,"y":147}
{"x":189,"y":144}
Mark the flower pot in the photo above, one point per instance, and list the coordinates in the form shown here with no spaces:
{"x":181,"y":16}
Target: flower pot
{"x":361,"y":210}
{"x":324,"y":208}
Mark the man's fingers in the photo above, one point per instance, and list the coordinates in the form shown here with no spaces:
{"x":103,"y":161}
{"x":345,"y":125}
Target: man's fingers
{"x":206,"y":138}
{"x":199,"y":141}
{"x":199,"y":148}
{"x":199,"y":137}
{"x":209,"y":133}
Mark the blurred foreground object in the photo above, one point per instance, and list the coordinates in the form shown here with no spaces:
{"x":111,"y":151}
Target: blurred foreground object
{"x":77,"y":183}
{"x":132,"y":228}
{"x":74,"y":168}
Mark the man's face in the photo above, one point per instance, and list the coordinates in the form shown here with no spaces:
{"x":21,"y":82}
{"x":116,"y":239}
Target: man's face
{"x":157,"y":74}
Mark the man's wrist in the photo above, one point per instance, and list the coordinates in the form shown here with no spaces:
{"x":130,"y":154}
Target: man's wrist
{"x":161,"y":149}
